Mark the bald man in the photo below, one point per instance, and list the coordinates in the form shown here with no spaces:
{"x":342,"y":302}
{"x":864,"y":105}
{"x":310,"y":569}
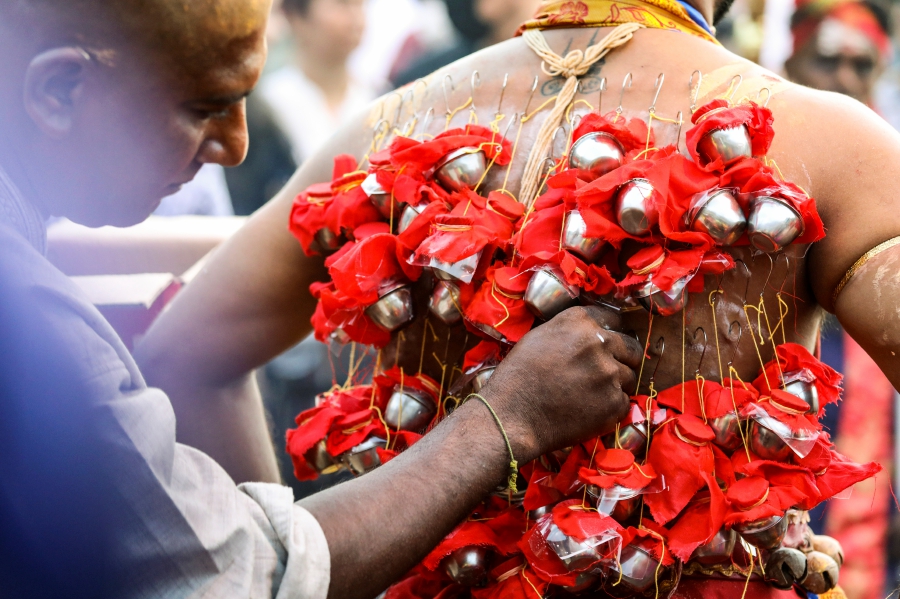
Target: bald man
{"x":106,"y":107}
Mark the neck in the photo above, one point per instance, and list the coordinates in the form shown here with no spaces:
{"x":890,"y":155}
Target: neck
{"x":14,"y":166}
{"x":329,"y":75}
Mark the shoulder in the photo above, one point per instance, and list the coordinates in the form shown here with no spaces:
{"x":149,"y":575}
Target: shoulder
{"x":54,"y":326}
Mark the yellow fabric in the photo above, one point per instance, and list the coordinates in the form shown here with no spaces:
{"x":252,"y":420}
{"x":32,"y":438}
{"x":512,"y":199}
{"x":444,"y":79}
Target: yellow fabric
{"x":653,"y":14}
{"x":835,"y":593}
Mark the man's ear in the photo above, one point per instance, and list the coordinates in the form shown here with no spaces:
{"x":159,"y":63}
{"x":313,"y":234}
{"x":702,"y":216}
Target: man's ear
{"x":54,"y":83}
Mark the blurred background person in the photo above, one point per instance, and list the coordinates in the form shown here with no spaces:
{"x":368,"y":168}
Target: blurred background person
{"x":479,"y":23}
{"x":840,"y":46}
{"x":314,"y":93}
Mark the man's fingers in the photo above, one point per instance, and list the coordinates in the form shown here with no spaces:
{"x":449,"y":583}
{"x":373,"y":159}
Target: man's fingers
{"x":605,"y":318}
{"x":628,"y":378}
{"x":625,"y":349}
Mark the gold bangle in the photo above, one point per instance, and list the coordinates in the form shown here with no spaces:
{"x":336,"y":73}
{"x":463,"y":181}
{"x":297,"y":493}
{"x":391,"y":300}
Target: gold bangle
{"x":881,"y":247}
{"x":513,"y":464}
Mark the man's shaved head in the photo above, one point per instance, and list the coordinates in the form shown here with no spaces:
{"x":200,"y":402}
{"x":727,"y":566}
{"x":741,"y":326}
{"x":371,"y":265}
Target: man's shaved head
{"x":124,"y":100}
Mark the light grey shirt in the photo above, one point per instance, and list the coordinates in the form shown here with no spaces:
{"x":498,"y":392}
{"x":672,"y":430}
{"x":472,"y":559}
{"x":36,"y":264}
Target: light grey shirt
{"x":191,"y":532}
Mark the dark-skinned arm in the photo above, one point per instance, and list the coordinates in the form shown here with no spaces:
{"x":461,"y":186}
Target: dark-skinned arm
{"x":381,"y":525}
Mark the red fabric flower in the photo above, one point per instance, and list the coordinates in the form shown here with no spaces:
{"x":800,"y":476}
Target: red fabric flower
{"x":633,"y":134}
{"x":719,"y":115}
{"x":796,"y":359}
{"x":617,"y":467}
{"x":332,"y":420}
{"x":765,"y":183}
{"x":684,"y":180}
{"x":499,"y":303}
{"x":665,"y":267}
{"x":754,"y":498}
{"x":336,"y":311}
{"x":681,"y":453}
{"x":707,"y":399}
{"x":308,"y":215}
{"x":420,"y":157}
{"x":367,"y":267}
{"x":700,"y":521}
{"x":597,"y":200}
{"x":833,"y":472}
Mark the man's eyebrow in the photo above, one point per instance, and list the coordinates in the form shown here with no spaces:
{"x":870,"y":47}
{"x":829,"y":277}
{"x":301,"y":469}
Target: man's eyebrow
{"x":226,"y":100}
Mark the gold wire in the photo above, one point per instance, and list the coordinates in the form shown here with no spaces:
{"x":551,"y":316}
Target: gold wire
{"x":456,"y":111}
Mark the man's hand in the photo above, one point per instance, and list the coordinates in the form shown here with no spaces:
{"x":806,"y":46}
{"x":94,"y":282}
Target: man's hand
{"x":566,"y":381}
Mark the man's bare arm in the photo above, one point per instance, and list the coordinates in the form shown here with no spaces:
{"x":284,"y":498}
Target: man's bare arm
{"x":857,"y":159}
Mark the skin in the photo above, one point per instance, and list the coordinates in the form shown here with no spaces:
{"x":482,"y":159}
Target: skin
{"x":325,"y":36}
{"x":191,"y":350}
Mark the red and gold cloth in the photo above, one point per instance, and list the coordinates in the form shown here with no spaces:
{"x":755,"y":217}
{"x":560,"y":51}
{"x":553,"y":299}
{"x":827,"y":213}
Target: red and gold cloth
{"x":653,"y":14}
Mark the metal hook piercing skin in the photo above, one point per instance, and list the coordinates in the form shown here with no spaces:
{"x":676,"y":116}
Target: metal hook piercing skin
{"x":534,"y":87}
{"x":694,"y":95}
{"x":626,"y":83}
{"x":705,"y":346}
{"x":740,"y":79}
{"x":768,"y":96}
{"x":476,"y":77}
{"x":514,"y":118}
{"x":429,"y":116}
{"x":660,"y":80}
{"x":749,"y":278}
{"x":680,"y":118}
{"x":787,"y":269}
{"x":600,"y":96}
{"x":446,"y":96}
{"x":502,"y":94}
{"x":399,"y":106}
{"x":565,"y":139}
{"x":737,"y":344}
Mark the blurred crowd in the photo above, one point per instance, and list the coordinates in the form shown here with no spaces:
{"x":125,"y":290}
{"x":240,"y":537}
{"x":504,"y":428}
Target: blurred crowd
{"x":330,"y":58}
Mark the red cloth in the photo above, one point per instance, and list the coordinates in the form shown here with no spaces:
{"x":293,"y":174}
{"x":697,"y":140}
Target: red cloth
{"x":811,"y":13}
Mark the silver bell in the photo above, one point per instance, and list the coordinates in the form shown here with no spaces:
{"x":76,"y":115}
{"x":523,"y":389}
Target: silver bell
{"x":638,"y":568}
{"x":548,"y":294}
{"x":575,"y":555}
{"x":463,"y":270}
{"x":409,"y":410}
{"x":821,"y":573}
{"x":467,"y":566}
{"x":728,"y":431}
{"x":322,"y":461}
{"x":575,"y":238}
{"x":766,"y":444}
{"x":767,"y":533}
{"x":728,"y":144}
{"x":634,"y":207}
{"x":364,"y":457}
{"x":408,"y":215}
{"x":720,"y":216}
{"x":379,"y":197}
{"x":326,"y":242}
{"x":805,"y":391}
{"x":785,"y":567}
{"x":773,"y":224}
{"x":718,"y":549}
{"x":540,"y":512}
{"x":482,"y":377}
{"x":631,"y":437}
{"x":597,"y":153}
{"x":662,"y":302}
{"x":461,"y":169}
{"x":444,"y":303}
{"x":393,"y":310}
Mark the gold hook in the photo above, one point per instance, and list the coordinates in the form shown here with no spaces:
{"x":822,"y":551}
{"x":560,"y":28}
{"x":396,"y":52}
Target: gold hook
{"x":629,"y":80}
{"x":695,"y":94}
{"x":658,"y":88}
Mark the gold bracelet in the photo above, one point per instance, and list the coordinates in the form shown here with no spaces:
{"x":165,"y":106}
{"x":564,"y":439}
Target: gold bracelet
{"x":513,"y":464}
{"x":881,"y":247}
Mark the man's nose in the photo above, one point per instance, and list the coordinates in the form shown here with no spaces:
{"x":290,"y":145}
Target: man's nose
{"x":226,"y":140}
{"x":848,"y":79}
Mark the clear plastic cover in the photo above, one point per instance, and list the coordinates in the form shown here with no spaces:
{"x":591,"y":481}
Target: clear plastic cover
{"x":608,"y":499}
{"x":801,"y":441}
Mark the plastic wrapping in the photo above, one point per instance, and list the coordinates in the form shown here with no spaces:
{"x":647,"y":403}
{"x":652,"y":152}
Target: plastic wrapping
{"x":800,"y":440}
